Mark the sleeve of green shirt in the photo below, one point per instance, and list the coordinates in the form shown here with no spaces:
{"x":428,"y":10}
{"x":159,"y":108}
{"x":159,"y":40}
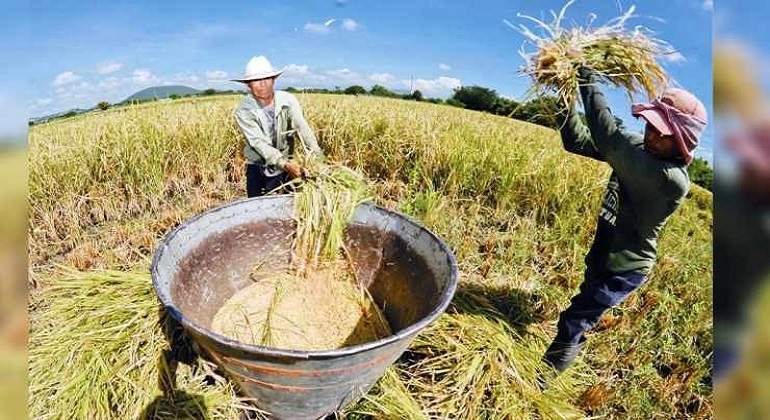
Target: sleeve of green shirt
{"x":257,"y":140}
{"x":306,"y":134}
{"x":576,"y":138}
{"x":634,"y":166}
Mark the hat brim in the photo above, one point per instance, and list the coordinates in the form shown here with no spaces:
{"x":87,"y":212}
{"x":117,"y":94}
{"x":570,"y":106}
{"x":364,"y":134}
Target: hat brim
{"x":654,"y":118}
{"x":250,"y":77}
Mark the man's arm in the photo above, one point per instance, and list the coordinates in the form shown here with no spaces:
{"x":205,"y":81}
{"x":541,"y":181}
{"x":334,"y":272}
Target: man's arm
{"x":306,"y":134}
{"x":259,"y":142}
{"x":634,"y":166}
{"x":600,"y":120}
{"x":576,"y":138}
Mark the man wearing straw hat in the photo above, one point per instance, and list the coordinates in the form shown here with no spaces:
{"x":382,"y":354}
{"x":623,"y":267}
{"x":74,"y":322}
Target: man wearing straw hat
{"x":269,"y":119}
{"x":648,"y":182}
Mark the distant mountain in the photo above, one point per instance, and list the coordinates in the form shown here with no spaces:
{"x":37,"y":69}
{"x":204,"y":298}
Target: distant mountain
{"x":161,"y":92}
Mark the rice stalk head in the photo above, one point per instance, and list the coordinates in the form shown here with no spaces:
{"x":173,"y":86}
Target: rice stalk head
{"x":622,"y":57}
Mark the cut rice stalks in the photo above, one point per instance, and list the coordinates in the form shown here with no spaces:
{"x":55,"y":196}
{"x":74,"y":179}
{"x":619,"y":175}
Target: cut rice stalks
{"x":323,"y":207}
{"x":98,"y":350}
{"x":619,"y":56}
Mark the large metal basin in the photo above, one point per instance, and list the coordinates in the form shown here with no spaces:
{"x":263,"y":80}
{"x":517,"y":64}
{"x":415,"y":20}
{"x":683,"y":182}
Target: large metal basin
{"x":409,"y":271}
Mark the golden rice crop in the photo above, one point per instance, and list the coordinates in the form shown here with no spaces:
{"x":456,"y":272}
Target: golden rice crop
{"x":625,"y":58}
{"x":517,"y":211}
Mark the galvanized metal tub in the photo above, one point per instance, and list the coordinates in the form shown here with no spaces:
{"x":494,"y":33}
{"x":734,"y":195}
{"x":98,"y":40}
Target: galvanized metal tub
{"x":409,"y":271}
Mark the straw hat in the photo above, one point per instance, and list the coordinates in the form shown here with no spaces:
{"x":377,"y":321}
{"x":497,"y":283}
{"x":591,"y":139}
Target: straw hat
{"x":258,"y":68}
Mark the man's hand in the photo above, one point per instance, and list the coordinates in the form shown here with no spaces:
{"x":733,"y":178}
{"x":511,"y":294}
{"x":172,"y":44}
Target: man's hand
{"x":585,"y":75}
{"x":294,"y":170}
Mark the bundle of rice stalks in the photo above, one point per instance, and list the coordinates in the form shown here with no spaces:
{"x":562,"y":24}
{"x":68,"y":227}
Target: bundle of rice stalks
{"x":323,"y":207}
{"x":736,"y":85}
{"x":97,"y":350}
{"x":621,"y":57}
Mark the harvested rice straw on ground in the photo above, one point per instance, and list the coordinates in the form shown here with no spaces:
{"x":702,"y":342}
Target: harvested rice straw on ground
{"x":98,"y":351}
{"x":622,"y":57}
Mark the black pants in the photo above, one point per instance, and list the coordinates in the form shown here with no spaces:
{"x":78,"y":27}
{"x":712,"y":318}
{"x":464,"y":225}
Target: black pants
{"x":595,"y":297}
{"x":259,"y":184}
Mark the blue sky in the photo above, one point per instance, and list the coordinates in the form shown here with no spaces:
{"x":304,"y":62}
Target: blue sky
{"x":76,"y":53}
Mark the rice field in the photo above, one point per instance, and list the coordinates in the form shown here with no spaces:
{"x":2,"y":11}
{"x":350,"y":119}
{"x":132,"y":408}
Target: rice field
{"x":517,"y":210}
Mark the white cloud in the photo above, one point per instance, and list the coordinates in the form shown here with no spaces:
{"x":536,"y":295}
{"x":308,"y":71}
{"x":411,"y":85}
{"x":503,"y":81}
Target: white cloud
{"x":444,"y":67}
{"x":438,"y":87}
{"x":326,"y":27}
{"x":111,"y":82}
{"x":350,"y":24}
{"x":317,"y":28}
{"x":296,"y":70}
{"x":343,"y":73}
{"x":674,"y":57}
{"x":708,"y":5}
{"x":144,"y":77}
{"x":109,"y":67}
{"x":187,"y":78}
{"x":65,"y":78}
{"x":345,"y":77}
{"x":43,"y":101}
{"x":301,"y":75}
{"x":216,"y":75}
{"x":382,"y":78}
{"x":75,"y":92}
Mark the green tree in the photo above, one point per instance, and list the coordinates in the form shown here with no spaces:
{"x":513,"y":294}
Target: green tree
{"x":505,"y":107}
{"x":174,"y":96}
{"x":701,"y":173}
{"x":545,"y":110}
{"x":476,"y":97}
{"x":208,"y":92}
{"x":454,"y":102}
{"x":379,"y":90}
{"x":355,"y":90}
{"x":416,"y":95}
{"x":103,"y":105}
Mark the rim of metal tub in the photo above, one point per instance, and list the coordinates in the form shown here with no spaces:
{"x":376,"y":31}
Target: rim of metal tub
{"x":444,"y":299}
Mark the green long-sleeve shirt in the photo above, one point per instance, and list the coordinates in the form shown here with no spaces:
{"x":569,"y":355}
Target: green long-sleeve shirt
{"x":642,"y":192}
{"x":263,"y":148}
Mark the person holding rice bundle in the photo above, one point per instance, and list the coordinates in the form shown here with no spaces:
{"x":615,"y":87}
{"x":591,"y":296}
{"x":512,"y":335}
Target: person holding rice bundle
{"x":648,"y":183}
{"x":269,"y":119}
